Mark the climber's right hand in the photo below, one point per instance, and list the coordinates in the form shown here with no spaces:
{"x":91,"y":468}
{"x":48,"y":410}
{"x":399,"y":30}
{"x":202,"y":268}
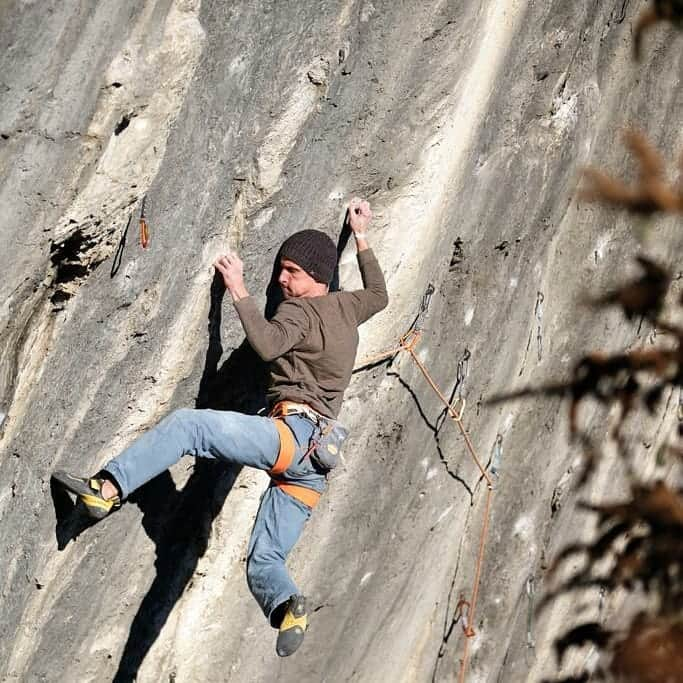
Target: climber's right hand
{"x":231,"y":268}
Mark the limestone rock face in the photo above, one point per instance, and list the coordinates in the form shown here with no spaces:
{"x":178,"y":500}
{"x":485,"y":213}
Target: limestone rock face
{"x":466,"y":125}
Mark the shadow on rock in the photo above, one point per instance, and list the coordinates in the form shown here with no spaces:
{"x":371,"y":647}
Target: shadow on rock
{"x":179,"y":522}
{"x":72,"y":520}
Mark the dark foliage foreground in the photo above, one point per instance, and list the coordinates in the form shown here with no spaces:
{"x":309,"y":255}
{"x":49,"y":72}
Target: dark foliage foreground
{"x":637,"y":548}
{"x":638,"y":544}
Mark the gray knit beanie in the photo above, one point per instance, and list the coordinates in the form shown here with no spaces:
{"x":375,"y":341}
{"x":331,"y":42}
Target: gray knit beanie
{"x":313,"y":251}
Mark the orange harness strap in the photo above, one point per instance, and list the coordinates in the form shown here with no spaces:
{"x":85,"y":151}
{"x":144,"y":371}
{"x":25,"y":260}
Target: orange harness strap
{"x":287,"y":449}
{"x":301,"y":493}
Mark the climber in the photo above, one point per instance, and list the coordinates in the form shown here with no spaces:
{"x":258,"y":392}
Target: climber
{"x":311,"y":344}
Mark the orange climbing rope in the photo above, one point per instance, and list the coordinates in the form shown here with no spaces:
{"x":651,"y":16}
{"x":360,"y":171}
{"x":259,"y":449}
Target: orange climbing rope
{"x":407,"y":343}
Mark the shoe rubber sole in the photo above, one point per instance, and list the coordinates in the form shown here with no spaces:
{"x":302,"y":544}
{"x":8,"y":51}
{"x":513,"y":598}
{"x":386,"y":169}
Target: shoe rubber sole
{"x":86,"y":492}
{"x":293,"y":627}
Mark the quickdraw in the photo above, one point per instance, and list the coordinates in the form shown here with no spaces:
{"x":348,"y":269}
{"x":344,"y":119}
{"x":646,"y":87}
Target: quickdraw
{"x":144,"y":228}
{"x":462,"y":612}
{"x":497,"y":456}
{"x":408,"y":343}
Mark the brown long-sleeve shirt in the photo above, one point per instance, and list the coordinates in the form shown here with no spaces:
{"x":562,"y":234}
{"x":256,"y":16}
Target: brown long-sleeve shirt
{"x":312,"y":342}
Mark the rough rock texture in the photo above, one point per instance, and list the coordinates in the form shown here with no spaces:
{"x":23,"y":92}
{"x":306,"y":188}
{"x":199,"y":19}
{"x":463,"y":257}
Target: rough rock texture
{"x":466,"y":125}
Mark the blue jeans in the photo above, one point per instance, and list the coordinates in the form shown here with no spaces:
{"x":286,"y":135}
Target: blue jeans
{"x":249,"y":440}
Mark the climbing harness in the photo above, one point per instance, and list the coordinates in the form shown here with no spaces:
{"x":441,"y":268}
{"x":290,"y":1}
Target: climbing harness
{"x":408,"y":342}
{"x":324,"y":449}
{"x":303,"y":494}
{"x":287,"y":449}
{"x":325,"y":446}
{"x":144,"y":228}
{"x":284,"y":408}
{"x":284,"y":459}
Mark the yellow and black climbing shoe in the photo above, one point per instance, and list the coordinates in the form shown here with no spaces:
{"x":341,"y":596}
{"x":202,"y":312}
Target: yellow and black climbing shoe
{"x":293,"y":627}
{"x":89,"y":493}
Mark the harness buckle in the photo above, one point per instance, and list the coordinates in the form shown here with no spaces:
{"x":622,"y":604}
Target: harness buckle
{"x":285,"y":408}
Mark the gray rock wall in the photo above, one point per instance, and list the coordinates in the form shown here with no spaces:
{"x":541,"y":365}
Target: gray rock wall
{"x":240,"y":123}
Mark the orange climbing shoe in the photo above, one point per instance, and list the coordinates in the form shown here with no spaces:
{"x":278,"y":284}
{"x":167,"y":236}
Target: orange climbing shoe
{"x":293,"y":627}
{"x":88,"y":492}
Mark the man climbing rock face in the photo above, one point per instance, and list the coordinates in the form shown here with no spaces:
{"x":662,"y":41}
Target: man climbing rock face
{"x":311,"y":344}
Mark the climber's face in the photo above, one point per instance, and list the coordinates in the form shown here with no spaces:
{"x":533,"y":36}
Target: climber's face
{"x":295,"y":282}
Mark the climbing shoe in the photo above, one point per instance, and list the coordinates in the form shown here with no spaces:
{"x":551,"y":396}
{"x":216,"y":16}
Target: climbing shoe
{"x":89,"y":493}
{"x":293,"y":627}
